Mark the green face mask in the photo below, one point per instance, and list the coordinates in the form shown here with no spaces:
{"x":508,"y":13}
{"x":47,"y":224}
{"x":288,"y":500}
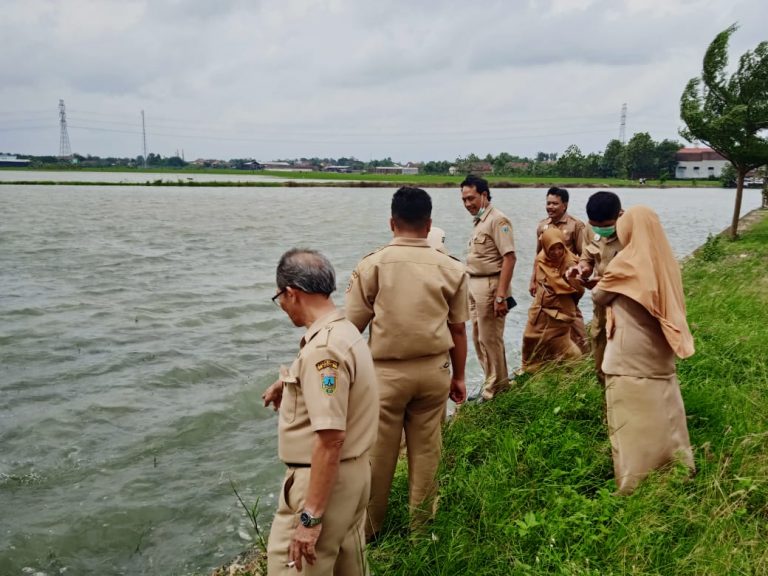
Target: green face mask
{"x":604,"y":231}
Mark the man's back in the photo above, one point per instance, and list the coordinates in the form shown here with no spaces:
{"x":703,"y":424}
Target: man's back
{"x":408,"y":292}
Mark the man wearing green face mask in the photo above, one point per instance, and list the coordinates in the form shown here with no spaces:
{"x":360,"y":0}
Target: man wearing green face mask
{"x":600,"y":246}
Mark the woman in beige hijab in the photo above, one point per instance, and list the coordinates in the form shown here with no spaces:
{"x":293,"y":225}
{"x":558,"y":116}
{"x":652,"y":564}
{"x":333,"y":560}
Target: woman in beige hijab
{"x":646,"y":327}
{"x":547,"y":335}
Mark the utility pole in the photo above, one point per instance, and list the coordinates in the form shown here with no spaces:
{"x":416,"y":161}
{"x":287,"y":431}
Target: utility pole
{"x":144,"y":137}
{"x":623,"y":124}
{"x":64,"y":149}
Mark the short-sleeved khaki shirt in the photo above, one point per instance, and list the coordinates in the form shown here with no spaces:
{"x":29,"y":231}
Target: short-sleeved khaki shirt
{"x":599,"y":251}
{"x":491,"y":239}
{"x":330,"y":386}
{"x":409,"y":293}
{"x":572,"y":228}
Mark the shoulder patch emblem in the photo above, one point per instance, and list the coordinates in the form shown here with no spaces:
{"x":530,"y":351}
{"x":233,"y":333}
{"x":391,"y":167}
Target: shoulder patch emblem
{"x":352,"y":279}
{"x":323,"y":364}
{"x":327,"y":369}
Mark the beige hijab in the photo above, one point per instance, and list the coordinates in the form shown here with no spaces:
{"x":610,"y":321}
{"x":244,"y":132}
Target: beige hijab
{"x":554,"y":270}
{"x":647,"y":272}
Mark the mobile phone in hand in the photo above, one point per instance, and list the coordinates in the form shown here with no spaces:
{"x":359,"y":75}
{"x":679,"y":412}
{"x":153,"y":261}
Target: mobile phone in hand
{"x":511,"y":303}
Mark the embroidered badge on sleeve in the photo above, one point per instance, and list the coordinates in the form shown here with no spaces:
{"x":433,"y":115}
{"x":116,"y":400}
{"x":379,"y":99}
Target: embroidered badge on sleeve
{"x":329,"y":371}
{"x":352,"y":279}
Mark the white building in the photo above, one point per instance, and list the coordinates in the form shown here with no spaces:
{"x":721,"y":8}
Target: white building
{"x":695,"y":163}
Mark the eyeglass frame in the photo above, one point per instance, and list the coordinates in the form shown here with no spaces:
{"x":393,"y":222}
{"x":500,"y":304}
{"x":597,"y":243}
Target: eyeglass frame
{"x":276,"y":296}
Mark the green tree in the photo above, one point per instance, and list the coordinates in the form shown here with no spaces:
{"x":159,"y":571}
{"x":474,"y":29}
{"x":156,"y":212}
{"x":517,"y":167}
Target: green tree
{"x":641,"y":156}
{"x":666,"y":151}
{"x":728,"y":114}
{"x":571,"y":163}
{"x":614,"y":164}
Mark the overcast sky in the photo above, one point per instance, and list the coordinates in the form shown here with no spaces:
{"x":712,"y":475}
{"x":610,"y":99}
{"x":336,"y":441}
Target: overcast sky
{"x":417,"y":80}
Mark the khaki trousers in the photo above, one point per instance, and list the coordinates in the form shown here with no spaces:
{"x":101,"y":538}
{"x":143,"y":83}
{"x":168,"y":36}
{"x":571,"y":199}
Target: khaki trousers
{"x":488,"y":334}
{"x":341,"y":546}
{"x":412,"y":397}
{"x":599,"y":339}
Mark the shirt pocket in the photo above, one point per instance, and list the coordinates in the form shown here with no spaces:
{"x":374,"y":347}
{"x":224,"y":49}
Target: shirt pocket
{"x":290,"y":400}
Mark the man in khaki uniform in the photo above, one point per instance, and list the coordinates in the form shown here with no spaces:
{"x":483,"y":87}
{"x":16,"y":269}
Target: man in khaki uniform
{"x":573,"y":231}
{"x":600,"y":246}
{"x":490,"y":263}
{"x":327,"y":400}
{"x":414,"y":300}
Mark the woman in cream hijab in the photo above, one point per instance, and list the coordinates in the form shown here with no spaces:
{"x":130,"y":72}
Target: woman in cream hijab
{"x":646,"y":327}
{"x":547,"y":335}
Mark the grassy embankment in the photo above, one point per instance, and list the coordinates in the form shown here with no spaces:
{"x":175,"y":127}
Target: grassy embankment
{"x":361,"y":180}
{"x":526,"y":485}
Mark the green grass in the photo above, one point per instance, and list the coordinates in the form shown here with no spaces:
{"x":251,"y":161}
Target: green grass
{"x":425,"y":180}
{"x":526,"y":481}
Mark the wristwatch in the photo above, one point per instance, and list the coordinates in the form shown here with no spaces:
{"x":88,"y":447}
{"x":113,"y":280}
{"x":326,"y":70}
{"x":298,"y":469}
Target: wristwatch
{"x":307,"y":520}
{"x":500,"y":299}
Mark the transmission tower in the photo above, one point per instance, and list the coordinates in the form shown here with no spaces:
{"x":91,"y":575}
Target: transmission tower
{"x":623,"y":124}
{"x":64,"y":149}
{"x":144,"y":137}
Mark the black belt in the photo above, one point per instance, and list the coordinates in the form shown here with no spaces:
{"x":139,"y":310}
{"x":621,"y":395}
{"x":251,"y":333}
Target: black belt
{"x":484,"y":275}
{"x":294,"y":465}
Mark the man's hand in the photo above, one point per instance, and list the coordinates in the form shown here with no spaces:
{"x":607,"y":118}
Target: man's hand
{"x":458,"y":391}
{"x":303,"y":545}
{"x":500,"y":308}
{"x":574,"y":271}
{"x":273,"y":395}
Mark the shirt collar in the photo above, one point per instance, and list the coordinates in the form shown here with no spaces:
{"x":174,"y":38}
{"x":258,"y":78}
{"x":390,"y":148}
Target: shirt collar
{"x":320,"y":323}
{"x":563,"y":219}
{"x":484,"y":216}
{"x":402,"y":241}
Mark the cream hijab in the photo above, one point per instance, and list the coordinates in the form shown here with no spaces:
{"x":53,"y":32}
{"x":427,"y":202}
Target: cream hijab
{"x":554,"y":270}
{"x":647,"y":272}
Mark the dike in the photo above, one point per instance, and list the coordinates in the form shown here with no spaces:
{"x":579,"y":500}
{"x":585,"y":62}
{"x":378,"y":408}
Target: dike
{"x":526,"y":484}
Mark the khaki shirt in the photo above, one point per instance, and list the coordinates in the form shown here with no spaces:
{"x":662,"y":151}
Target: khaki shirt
{"x":330,"y":386}
{"x":491,"y":239}
{"x":598,"y":251}
{"x":572,"y":228}
{"x":408,"y":292}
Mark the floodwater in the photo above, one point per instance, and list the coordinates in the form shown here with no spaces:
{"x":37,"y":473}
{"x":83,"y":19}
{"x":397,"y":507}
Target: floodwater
{"x":136,"y":337}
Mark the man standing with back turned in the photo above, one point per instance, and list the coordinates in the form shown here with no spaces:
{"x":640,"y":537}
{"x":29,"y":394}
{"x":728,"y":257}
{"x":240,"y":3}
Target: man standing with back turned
{"x":490,"y":263}
{"x":327,"y":401}
{"x":415,"y":300}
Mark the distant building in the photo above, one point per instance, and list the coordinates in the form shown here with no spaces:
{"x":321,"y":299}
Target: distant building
{"x":337,"y":169}
{"x":697,"y":163}
{"x":8,"y":161}
{"x":286,"y":166}
{"x":410,"y":169}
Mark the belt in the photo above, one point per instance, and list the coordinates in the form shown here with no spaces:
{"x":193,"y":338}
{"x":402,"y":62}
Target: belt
{"x":484,"y":275}
{"x":295,"y":465}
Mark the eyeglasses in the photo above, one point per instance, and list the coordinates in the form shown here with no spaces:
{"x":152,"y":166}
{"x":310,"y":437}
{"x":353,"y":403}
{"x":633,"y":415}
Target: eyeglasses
{"x":276,"y":296}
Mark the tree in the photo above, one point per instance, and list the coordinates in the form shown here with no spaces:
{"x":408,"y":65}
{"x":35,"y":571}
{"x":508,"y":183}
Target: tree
{"x":571,"y":163}
{"x":641,"y":156}
{"x":614,"y":164}
{"x":729,"y":114}
{"x":666,"y":152}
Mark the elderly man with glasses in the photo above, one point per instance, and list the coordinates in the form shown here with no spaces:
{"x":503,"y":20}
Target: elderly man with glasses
{"x":327,"y":401}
